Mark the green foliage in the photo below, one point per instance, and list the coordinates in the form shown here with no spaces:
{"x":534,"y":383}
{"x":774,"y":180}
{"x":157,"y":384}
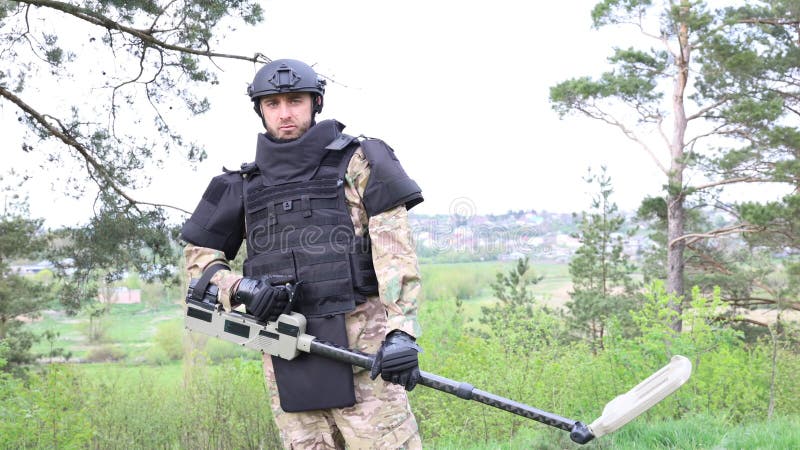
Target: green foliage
{"x":516,"y":319}
{"x":110,"y":245}
{"x":231,"y":408}
{"x":105,"y":353}
{"x":533,"y":363}
{"x":728,"y":375}
{"x":601,"y":273}
{"x":217,"y":351}
{"x":703,"y":431}
{"x":740,"y":126}
{"x":169,"y":338}
{"x":222,"y":403}
{"x":22,"y":298}
{"x":515,"y":335}
{"x":147,"y":67}
{"x":460,"y":281}
{"x":20,"y":236}
{"x":96,"y":327}
{"x":49,"y":412}
{"x":514,"y":288}
{"x":115,"y":407}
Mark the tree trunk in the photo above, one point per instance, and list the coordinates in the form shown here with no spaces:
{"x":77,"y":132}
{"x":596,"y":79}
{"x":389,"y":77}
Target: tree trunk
{"x":676,"y":217}
{"x":773,"y":365}
{"x":676,"y":213}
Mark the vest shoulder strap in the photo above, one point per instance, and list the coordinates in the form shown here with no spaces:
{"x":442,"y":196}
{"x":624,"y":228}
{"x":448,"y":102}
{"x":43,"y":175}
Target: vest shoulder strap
{"x":246,"y":169}
{"x":341,"y":142}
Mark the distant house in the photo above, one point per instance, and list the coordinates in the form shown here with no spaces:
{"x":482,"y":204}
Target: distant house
{"x":31,"y":269}
{"x":568,"y":241}
{"x":120,"y":296}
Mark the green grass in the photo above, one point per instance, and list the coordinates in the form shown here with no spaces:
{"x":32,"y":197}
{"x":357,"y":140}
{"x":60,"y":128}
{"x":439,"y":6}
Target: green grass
{"x":705,"y":432}
{"x":472,"y":281}
{"x":143,"y":396}
{"x":129,"y":328}
{"x":688,"y":433}
{"x":169,"y":374}
{"x":132,"y":325}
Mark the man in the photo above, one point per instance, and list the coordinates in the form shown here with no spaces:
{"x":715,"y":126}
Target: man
{"x":328,"y":213}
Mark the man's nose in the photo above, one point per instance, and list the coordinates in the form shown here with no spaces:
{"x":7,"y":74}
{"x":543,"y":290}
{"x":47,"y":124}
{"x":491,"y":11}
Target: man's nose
{"x":283,"y":110}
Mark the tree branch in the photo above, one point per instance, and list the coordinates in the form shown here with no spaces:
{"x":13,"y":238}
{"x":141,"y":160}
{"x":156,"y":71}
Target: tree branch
{"x":742,"y":319}
{"x":764,"y":301}
{"x":716,"y":131}
{"x":731,"y":181}
{"x":720,"y":267}
{"x":733,"y":229}
{"x":145,"y":35}
{"x":69,"y":140}
{"x":779,"y":22}
{"x":700,"y":112}
{"x":630,"y":134}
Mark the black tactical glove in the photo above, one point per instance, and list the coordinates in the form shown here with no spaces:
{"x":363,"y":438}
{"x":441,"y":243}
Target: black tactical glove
{"x":266,"y":297}
{"x":397,"y":360}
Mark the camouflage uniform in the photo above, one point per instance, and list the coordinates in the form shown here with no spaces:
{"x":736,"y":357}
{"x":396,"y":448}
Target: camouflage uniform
{"x":381,"y":417}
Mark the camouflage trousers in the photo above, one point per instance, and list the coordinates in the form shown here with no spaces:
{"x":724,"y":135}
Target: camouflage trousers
{"x":381,"y":417}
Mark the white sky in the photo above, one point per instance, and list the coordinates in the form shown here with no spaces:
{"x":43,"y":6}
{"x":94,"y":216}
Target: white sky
{"x":458,"y":88}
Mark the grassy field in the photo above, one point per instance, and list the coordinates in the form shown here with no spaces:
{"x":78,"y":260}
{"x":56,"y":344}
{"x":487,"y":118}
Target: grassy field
{"x":471,"y":283}
{"x":128,"y":328}
{"x":127,"y":332}
{"x":691,"y":433}
{"x":147,"y":345}
{"x":145,"y":384}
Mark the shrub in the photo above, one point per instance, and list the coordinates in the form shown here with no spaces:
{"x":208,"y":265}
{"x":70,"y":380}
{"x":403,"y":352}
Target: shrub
{"x":169,"y":339}
{"x":219,"y":351}
{"x":105,"y":353}
{"x":156,"y":356}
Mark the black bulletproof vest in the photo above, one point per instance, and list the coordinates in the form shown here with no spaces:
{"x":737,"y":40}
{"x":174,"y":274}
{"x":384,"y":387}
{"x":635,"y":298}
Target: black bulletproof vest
{"x":300,"y":225}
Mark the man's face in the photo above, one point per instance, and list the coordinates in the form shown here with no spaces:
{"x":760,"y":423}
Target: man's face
{"x":288,"y":116}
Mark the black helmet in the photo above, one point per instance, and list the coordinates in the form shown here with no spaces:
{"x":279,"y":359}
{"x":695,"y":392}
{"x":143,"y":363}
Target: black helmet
{"x":286,"y":75}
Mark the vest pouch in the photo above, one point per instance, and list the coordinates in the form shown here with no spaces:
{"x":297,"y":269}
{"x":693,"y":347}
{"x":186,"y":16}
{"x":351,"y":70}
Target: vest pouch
{"x":300,"y":386}
{"x":273,"y":263}
{"x":327,"y":287}
{"x":364,"y":279}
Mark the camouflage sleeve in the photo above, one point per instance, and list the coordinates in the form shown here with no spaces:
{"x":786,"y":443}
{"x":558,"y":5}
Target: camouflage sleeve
{"x":198,"y":258}
{"x":393,"y":252}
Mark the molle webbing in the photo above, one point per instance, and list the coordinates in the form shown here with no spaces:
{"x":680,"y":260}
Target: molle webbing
{"x":304,"y":229}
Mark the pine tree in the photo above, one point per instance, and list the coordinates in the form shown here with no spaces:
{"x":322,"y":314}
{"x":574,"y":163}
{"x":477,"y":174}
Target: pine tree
{"x":601,"y":272}
{"x":718,"y":89}
{"x":104,"y":91}
{"x":21,"y":297}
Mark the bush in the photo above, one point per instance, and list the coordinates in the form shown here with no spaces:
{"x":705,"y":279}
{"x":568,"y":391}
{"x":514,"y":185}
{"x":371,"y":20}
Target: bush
{"x":525,"y":358}
{"x":457,"y":281}
{"x":157,"y":356}
{"x":110,"y":406}
{"x":50,"y":410}
{"x":105,"y":353}
{"x":219,"y":351}
{"x":169,"y":340}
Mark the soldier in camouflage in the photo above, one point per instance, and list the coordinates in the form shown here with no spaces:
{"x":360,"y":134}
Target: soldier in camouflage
{"x":375,"y":194}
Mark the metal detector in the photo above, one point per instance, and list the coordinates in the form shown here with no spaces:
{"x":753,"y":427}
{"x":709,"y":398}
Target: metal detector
{"x":286,"y":338}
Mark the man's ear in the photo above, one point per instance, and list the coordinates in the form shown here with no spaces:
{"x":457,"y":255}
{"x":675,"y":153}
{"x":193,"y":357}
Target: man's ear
{"x":316,"y":103}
